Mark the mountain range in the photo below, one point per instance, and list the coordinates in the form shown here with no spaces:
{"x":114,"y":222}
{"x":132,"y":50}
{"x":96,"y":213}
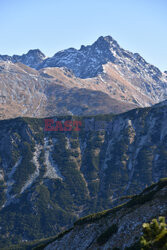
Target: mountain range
{"x":99,"y":78}
{"x":50,"y":179}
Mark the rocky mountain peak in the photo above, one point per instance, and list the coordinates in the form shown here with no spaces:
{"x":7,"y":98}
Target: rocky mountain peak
{"x":36,"y":52}
{"x":108,"y":39}
{"x":31,"y":59}
{"x":106,"y":43}
{"x":88,"y":60}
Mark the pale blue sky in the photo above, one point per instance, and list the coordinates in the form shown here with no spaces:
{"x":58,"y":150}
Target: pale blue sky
{"x":52,"y":25}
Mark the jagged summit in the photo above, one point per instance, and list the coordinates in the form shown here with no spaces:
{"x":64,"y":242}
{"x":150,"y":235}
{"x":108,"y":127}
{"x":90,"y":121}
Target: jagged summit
{"x":101,"y":40}
{"x":87,"y":62}
{"x":35,"y":53}
{"x":32,"y":58}
{"x":106,"y":39}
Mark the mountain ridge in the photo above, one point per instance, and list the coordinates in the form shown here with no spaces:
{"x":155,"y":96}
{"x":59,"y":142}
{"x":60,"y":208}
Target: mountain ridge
{"x":49,"y":179}
{"x":104,"y":43}
{"x":119,"y":227}
{"x":123,"y":222}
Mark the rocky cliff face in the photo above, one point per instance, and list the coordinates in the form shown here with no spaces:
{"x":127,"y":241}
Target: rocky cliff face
{"x":49,"y":179}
